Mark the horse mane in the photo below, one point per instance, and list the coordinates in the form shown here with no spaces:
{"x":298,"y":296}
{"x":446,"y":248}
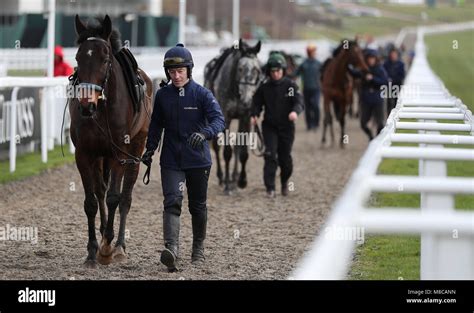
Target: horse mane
{"x":95,"y":29}
{"x":341,"y":45}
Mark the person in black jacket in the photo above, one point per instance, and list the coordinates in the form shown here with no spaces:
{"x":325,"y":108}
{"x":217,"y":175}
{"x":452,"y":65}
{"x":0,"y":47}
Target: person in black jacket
{"x":371,"y":94}
{"x":395,"y":69}
{"x":282,"y":102}
{"x":189,"y":115}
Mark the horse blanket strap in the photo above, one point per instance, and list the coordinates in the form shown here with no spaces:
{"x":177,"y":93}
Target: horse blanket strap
{"x":132,"y":78}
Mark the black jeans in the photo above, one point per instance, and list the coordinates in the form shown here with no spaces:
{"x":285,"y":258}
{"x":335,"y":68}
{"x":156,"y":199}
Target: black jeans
{"x":311,"y":111}
{"x":173,"y":184}
{"x":369,"y":110}
{"x":278,"y":143}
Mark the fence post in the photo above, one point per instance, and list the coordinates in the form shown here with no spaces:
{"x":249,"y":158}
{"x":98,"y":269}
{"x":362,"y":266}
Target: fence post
{"x":13,"y":119}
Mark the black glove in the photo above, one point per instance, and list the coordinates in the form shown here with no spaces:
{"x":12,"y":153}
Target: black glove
{"x":196,"y":140}
{"x":147,"y":157}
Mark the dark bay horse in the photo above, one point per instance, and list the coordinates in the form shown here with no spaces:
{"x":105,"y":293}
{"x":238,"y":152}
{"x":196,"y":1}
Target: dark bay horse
{"x":108,"y":134}
{"x":233,"y":78}
{"x":337,"y":86}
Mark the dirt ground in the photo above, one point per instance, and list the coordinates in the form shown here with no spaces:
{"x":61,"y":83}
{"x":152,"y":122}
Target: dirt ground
{"x":249,"y":236}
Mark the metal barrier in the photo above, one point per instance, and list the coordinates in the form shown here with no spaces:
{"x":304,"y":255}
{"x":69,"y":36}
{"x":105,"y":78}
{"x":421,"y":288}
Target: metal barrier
{"x":447,"y":235}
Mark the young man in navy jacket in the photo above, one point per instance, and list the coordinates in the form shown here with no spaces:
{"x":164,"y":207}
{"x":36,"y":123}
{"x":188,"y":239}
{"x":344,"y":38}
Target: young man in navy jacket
{"x":190,"y":116}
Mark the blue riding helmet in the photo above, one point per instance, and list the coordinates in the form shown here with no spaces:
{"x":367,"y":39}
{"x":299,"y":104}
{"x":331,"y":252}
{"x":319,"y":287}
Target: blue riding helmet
{"x":178,"y":56}
{"x":371,"y":53}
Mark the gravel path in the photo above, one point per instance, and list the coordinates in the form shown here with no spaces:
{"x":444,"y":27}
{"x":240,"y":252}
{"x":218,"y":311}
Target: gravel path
{"x":249,"y":236}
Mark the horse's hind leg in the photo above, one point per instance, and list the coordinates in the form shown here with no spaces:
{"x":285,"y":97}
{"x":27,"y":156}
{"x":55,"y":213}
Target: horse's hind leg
{"x":85,"y":167}
{"x":112,"y":200}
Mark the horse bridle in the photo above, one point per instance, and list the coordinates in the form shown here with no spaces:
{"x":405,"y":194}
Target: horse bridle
{"x":100,"y":88}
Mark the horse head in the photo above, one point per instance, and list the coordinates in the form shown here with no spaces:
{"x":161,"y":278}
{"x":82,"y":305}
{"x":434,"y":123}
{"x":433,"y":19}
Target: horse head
{"x":97,"y":44}
{"x":356,"y":57}
{"x":248,"y":74}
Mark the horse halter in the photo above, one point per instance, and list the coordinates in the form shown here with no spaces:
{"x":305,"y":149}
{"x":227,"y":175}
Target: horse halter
{"x":100,"y":88}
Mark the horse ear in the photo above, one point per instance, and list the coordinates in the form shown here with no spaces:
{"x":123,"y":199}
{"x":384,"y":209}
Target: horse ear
{"x":107,"y":27}
{"x":241,"y":44}
{"x":257,"y":47}
{"x":80,"y":27}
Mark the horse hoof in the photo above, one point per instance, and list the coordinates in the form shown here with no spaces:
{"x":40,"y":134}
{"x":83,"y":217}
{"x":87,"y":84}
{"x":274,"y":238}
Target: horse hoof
{"x":119,"y":255}
{"x":105,"y":248}
{"x":90,"y":264}
{"x":104,"y":260}
{"x":228,"y":192}
{"x":242,"y":183}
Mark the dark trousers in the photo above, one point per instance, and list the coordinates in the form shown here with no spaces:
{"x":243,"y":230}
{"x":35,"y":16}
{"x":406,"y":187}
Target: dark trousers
{"x":368,"y":111}
{"x":278,"y":144}
{"x":311,"y":102}
{"x":391,"y":103}
{"x":194,"y":180}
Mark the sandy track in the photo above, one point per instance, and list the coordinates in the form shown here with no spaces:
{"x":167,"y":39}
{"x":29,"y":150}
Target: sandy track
{"x":249,"y":236}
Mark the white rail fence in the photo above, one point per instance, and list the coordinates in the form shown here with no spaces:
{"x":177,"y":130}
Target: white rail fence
{"x":447,"y":235}
{"x":52,"y":105}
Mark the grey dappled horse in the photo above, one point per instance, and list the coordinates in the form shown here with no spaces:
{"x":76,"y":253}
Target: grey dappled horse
{"x":233,"y":78}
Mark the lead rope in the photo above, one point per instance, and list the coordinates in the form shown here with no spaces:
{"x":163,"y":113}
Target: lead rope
{"x":260,"y":143}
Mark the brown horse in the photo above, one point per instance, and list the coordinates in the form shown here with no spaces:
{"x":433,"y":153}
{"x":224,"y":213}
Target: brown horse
{"x":336,"y":85}
{"x":106,"y":131}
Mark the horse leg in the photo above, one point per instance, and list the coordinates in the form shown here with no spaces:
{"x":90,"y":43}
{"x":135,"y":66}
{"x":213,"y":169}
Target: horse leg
{"x":112,"y":200}
{"x":85,"y":167}
{"x":244,"y":128}
{"x":215,"y":146}
{"x":235,"y":171}
{"x":129,"y":179}
{"x":227,"y":158}
{"x":342,"y":122}
{"x":327,"y":117}
{"x":100,"y":186}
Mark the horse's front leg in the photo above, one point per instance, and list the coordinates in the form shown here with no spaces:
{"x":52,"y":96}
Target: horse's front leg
{"x":327,"y":117}
{"x":227,"y":158}
{"x":129,"y":179}
{"x":112,"y":200}
{"x":235,"y":171}
{"x":215,"y":146}
{"x":85,"y":166}
{"x":342,"y":122}
{"x":244,"y":128}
